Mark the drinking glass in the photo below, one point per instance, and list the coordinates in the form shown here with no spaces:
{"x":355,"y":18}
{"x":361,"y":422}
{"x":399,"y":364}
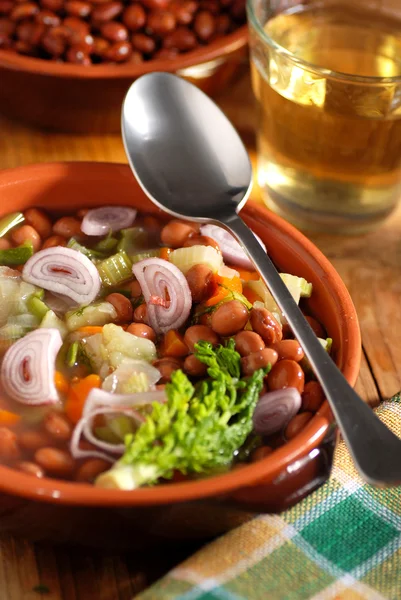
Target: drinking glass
{"x":327,"y":80}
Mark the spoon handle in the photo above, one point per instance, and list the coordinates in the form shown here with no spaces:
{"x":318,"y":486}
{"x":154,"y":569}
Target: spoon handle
{"x":375,"y":449}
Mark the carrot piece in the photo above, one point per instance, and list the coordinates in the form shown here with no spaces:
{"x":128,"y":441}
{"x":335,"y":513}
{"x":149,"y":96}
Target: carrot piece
{"x":8,"y":418}
{"x":61,"y":382}
{"x":90,"y":329}
{"x":251,"y":296}
{"x":224,"y":286}
{"x":77,"y":395}
{"x":247,"y":275}
{"x":174,"y":345}
{"x":165,"y":253}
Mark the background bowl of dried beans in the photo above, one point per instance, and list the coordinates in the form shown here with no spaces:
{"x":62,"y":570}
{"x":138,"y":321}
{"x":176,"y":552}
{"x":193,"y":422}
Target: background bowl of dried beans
{"x":67,"y":64}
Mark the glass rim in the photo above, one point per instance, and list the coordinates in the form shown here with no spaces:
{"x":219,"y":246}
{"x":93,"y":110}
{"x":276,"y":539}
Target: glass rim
{"x":369,"y":79}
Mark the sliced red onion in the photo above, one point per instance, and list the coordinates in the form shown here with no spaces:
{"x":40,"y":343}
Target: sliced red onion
{"x":230,"y":248}
{"x":84,"y":426}
{"x":156,"y":278}
{"x":58,"y":304}
{"x":98,"y":397}
{"x":275,"y":409}
{"x":28,"y":368}
{"x":100,"y":221}
{"x":64,"y":271}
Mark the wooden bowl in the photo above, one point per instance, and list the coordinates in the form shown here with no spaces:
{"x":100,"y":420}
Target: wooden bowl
{"x":75,"y":99}
{"x":62,"y":511}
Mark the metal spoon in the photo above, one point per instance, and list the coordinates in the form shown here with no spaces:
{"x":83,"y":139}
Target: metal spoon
{"x":191,"y":162}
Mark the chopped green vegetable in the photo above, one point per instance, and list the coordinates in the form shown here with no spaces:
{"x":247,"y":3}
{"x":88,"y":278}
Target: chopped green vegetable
{"x":72,"y":354}
{"x":37,"y":307}
{"x":135,"y":258}
{"x":133,"y":240}
{"x":107,"y":245}
{"x":74,"y":245}
{"x":298,"y":286}
{"x":115,"y":270}
{"x":52,"y":321}
{"x":196,"y":430}
{"x":10,"y":221}
{"x":16,"y":256}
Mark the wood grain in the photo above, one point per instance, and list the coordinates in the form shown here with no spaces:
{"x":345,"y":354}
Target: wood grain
{"x":371,"y":268}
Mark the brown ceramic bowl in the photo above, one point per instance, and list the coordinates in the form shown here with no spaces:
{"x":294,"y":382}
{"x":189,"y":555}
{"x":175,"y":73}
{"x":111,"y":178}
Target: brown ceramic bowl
{"x":50,"y":508}
{"x":76,"y":99}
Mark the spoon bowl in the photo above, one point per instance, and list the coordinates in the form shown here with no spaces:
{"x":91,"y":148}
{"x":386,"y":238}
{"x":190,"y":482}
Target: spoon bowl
{"x":191,"y":162}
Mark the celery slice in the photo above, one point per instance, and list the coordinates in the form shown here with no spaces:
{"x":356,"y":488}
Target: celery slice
{"x":16,"y":256}
{"x":10,"y":221}
{"x":135,"y":258}
{"x":108,"y":244}
{"x":115,"y":270}
{"x":185,"y":258}
{"x":305,"y":364}
{"x":133,"y":240}
{"x":298,"y":286}
{"x":37,"y":307}
{"x":74,"y":245}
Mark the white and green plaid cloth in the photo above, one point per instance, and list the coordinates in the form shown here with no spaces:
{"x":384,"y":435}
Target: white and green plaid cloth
{"x":341,"y":543}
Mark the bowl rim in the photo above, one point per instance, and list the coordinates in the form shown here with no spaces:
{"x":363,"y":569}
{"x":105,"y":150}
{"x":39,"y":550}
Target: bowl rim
{"x":73,"y":493}
{"x":213,"y":51}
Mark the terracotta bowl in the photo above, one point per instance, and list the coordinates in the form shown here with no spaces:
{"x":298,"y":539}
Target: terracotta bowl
{"x":62,"y":511}
{"x":76,"y":99}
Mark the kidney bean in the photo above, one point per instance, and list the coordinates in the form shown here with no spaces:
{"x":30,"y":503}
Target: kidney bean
{"x":265,"y":325}
{"x":30,"y":468}
{"x":91,"y":469}
{"x":48,"y":18}
{"x":54,"y":5}
{"x":54,"y":240}
{"x":286,"y":373}
{"x":118,"y":52}
{"x":6,"y":7}
{"x":312,"y":397}
{"x":135,"y":289}
{"x":67,"y":227}
{"x":106,"y":12}
{"x":77,"y":29}
{"x":210,"y":6}
{"x":30,"y":33}
{"x":160,"y":23}
{"x":296,"y":425}
{"x":201,"y":240}
{"x":223,"y":24}
{"x":143,"y":43}
{"x":114,"y":32}
{"x":290,"y":349}
{"x":54,"y":42}
{"x":316,"y":326}
{"x":7,"y":26}
{"x":39,"y":221}
{"x":200,"y":282}
{"x":229,"y":318}
{"x":26,"y":10}
{"x":32,"y":439}
{"x":134,"y":17}
{"x":78,"y":54}
{"x":196,"y":333}
{"x":156,"y":4}
{"x":204,"y":25}
{"x":55,"y":461}
{"x":78,"y":8}
{"x":258,"y":360}
{"x":122,"y":305}
{"x":167,"y":366}
{"x":260,"y":453}
{"x":4,"y":244}
{"x":181,"y":38}
{"x":9,"y":448}
{"x":166,"y":53}
{"x":194,"y":367}
{"x":100,"y":46}
{"x":24,"y":234}
{"x":184,"y":11}
{"x":142,"y":330}
{"x":247,"y":342}
{"x":141,"y":314}
{"x":57,"y":426}
{"x":176,"y":232}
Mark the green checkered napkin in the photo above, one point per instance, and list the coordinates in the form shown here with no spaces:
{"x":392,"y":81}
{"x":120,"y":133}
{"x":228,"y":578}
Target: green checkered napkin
{"x":343,"y":542}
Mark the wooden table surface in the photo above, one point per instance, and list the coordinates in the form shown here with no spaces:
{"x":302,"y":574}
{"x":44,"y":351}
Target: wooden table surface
{"x":371,"y":268}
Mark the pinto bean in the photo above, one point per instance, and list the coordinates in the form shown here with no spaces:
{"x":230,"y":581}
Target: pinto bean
{"x":196,"y":333}
{"x":122,"y":305}
{"x":229,"y":318}
{"x":39,"y":221}
{"x":57,"y":426}
{"x":9,"y":448}
{"x":175,"y":233}
{"x":67,"y":227}
{"x":312,"y":397}
{"x":296,"y":425}
{"x":266,"y":325}
{"x":55,"y":461}
{"x":142,"y":330}
{"x":290,"y":349}
{"x":30,"y":468}
{"x":141,"y":314}
{"x":200,"y":281}
{"x":91,"y":468}
{"x":167,"y":366}
{"x":247,"y":342}
{"x":24,"y":234}
{"x":54,"y":240}
{"x":286,"y":373}
{"x":258,"y":360}
{"x":194,"y":367}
